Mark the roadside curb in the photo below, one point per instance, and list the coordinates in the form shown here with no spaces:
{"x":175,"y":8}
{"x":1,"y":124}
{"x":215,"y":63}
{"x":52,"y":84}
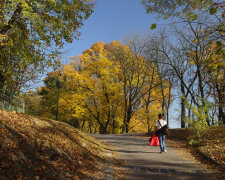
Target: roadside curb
{"x":215,"y":162}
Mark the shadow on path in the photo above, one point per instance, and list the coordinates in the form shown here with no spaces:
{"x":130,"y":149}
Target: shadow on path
{"x":145,"y":162}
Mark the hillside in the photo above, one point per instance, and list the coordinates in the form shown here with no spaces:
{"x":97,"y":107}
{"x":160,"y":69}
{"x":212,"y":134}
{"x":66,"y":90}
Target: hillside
{"x":210,"y":151}
{"x":32,"y":148}
{"x":211,"y":144}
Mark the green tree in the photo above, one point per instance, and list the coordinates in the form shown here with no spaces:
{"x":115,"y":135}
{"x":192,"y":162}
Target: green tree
{"x":172,"y":8}
{"x":49,"y":95}
{"x":198,"y":123}
{"x":32,"y":32}
{"x":32,"y":103}
{"x":212,"y":29}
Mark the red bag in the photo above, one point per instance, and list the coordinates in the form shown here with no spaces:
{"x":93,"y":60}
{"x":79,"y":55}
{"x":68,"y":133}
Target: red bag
{"x":154,"y":141}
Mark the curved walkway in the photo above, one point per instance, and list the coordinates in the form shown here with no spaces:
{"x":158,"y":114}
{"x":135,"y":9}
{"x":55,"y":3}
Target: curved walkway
{"x":145,"y":162}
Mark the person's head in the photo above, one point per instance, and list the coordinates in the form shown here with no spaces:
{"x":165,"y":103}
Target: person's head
{"x":160,"y":116}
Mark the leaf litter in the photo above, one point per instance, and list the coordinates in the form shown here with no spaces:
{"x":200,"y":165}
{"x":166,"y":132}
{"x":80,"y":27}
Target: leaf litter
{"x":212,"y":145}
{"x":40,"y":148}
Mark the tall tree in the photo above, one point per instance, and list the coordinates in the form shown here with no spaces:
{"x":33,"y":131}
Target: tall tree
{"x":215,"y":77}
{"x":95,"y":81}
{"x":106,"y":89}
{"x":158,"y":59}
{"x":49,"y":95}
{"x":32,"y":32}
{"x":207,"y":33}
{"x":136,"y":77}
{"x":133,"y":71}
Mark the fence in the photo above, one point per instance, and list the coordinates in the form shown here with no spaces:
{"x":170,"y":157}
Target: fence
{"x":10,"y":102}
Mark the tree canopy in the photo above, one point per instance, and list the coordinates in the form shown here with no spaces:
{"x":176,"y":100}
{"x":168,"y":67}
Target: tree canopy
{"x":107,"y":89}
{"x":32,"y":32}
{"x":172,"y":8}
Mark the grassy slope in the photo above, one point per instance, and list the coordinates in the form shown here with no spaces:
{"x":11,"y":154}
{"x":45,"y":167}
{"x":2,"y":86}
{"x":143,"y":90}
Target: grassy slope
{"x":34,"y":148}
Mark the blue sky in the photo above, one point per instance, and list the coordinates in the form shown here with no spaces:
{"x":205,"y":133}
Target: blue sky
{"x":114,"y":20}
{"x":111,"y":20}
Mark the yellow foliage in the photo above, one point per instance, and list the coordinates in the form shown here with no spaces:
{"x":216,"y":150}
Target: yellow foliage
{"x":93,"y":88}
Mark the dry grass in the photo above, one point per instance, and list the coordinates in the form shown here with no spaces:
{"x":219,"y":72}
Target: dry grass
{"x":32,"y":148}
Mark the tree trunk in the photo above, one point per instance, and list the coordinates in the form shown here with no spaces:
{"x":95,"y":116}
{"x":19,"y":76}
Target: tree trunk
{"x":124,"y":124}
{"x":148,"y":119}
{"x":147,"y":110}
{"x":163,"y":95}
{"x":128,"y":121}
{"x":189,"y":112}
{"x":83,"y":124}
{"x":168,"y":104}
{"x":113,"y":124}
{"x":125,"y":118}
{"x":221,"y":115}
{"x":2,"y":80}
{"x":90,"y":126}
{"x":129,"y":114}
{"x":103,"y":130}
{"x":182,"y":106}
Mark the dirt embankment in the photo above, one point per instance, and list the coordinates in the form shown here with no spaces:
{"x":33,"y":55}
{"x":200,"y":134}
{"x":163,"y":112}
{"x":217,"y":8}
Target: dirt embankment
{"x":33,"y":148}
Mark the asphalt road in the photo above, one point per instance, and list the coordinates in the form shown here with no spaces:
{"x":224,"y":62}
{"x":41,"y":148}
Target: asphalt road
{"x":146,"y":162}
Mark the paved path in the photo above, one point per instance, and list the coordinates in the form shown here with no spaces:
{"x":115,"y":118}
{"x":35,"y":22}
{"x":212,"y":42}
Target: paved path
{"x":145,"y":162}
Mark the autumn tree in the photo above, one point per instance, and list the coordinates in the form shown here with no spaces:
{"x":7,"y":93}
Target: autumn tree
{"x":214,"y":67}
{"x":32,"y":33}
{"x":95,"y":85}
{"x":131,"y":67}
{"x":136,"y":78}
{"x":210,"y":35}
{"x":106,"y":89}
{"x":154,"y":81}
{"x":200,"y":48}
{"x":189,"y":56}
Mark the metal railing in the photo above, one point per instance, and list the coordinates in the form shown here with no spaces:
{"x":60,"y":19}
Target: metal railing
{"x":10,"y":102}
